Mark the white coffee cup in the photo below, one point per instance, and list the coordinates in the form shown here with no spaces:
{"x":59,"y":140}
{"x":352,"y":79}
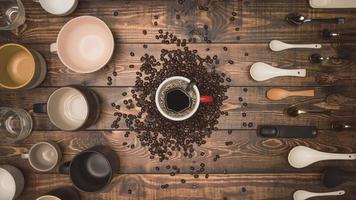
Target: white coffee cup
{"x":71,"y":108}
{"x":44,"y":156}
{"x":85,"y":44}
{"x":200,"y":99}
{"x":58,"y":7}
{"x":11,"y":182}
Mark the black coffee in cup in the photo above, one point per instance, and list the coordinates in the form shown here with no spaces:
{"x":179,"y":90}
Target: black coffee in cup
{"x":177,"y":100}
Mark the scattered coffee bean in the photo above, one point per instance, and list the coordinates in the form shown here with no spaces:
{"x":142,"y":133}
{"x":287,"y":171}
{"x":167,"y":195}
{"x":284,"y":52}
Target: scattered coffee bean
{"x":131,"y":66}
{"x":116,"y":13}
{"x":145,"y":46}
{"x":183,"y":181}
{"x":206,"y":175}
{"x":124,"y":93}
{"x":196,"y":176}
{"x":155,"y":23}
{"x":225,"y":48}
{"x":114,"y":73}
{"x":144,"y":32}
{"x":233,"y":13}
{"x":157,"y":168}
{"x":229,"y":132}
{"x":124,"y":143}
{"x":129,"y":191}
{"x":250,"y":124}
{"x":229,"y":143}
{"x":132,"y":54}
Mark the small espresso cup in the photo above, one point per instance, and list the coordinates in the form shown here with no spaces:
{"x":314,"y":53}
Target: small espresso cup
{"x":44,"y":156}
{"x":71,"y":108}
{"x":93,"y":169}
{"x":11,"y":182}
{"x":180,"y":84}
{"x":58,"y":7}
{"x":64,"y":193}
{"x":21,"y":67}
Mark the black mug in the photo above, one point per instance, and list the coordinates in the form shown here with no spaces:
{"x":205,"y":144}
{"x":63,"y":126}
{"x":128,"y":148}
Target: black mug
{"x":64,"y":193}
{"x":92,"y":170}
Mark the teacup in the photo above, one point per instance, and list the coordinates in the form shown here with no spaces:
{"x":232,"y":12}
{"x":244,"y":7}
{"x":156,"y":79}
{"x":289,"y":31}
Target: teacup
{"x":71,"y":108}
{"x":177,"y":100}
{"x":58,"y":7}
{"x":11,"y":182}
{"x":85,"y":44}
{"x":21,"y":67}
{"x":92,"y":170}
{"x":44,"y":156}
{"x":64,"y":193}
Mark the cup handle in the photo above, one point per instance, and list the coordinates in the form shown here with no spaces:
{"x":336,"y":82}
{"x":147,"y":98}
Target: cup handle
{"x":40,"y":108}
{"x":206,"y":99}
{"x":53,"y":48}
{"x":25,"y":156}
{"x":64,"y":168}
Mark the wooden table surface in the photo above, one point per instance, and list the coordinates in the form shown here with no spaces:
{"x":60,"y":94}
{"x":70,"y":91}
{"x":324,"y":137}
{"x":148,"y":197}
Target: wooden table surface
{"x":252,"y":168}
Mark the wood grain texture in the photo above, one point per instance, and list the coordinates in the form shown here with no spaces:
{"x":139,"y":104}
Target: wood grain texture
{"x":247,"y":154}
{"x":251,"y":168}
{"x":243,"y":55}
{"x":259,"y":22}
{"x":235,"y":186}
{"x":258,"y":110}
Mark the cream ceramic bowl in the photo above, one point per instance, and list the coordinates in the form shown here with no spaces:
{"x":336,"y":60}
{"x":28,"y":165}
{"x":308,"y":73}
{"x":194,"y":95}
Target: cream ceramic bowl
{"x":85,"y":44}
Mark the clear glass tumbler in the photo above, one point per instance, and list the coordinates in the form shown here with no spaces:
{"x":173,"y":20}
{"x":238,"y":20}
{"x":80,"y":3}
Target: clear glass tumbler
{"x":12,"y":14}
{"x":15,"y":125}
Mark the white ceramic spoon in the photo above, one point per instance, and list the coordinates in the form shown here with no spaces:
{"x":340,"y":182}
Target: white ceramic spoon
{"x":302,"y":156}
{"x":276,"y":45}
{"x":332,"y":3}
{"x":261,"y":71}
{"x":302,"y":194}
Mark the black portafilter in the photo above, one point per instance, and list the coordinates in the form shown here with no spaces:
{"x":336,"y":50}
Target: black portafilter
{"x":333,"y":177}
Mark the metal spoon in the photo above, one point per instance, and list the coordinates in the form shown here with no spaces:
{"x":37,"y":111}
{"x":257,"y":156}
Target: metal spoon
{"x":339,"y":126}
{"x":298,"y":19}
{"x":302,"y":156}
{"x":328,"y":34}
{"x":303,"y":194}
{"x":295,"y":112}
{"x":317,"y":58}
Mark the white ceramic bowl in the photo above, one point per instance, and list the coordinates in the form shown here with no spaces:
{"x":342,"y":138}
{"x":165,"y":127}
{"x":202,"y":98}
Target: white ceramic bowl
{"x":85,"y":44}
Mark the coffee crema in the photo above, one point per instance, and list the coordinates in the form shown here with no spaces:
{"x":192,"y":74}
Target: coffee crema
{"x":180,"y":109}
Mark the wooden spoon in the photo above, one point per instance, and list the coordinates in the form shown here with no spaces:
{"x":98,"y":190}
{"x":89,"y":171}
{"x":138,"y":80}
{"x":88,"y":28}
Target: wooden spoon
{"x":276,"y":94}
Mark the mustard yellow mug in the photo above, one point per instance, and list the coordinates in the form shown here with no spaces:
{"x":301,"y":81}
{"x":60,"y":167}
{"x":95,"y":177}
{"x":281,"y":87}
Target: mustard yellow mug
{"x":21,"y":67}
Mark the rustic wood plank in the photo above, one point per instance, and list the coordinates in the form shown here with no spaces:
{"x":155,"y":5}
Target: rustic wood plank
{"x":238,"y":186}
{"x":257,"y":21}
{"x":248,"y":154}
{"x":257,"y":110}
{"x":243,"y":55}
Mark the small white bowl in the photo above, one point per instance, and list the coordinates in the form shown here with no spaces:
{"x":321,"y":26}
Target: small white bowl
{"x":58,"y":7}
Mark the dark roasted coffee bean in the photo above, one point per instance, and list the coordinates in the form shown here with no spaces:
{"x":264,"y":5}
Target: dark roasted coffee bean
{"x":183,"y":181}
{"x":229,"y":143}
{"x":132,"y":54}
{"x":250,"y":124}
{"x":144,"y":32}
{"x":229,"y":132}
{"x":225,"y":48}
{"x":196,"y":176}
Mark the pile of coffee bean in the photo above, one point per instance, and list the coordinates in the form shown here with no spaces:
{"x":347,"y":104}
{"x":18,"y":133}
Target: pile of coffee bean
{"x":160,"y":135}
